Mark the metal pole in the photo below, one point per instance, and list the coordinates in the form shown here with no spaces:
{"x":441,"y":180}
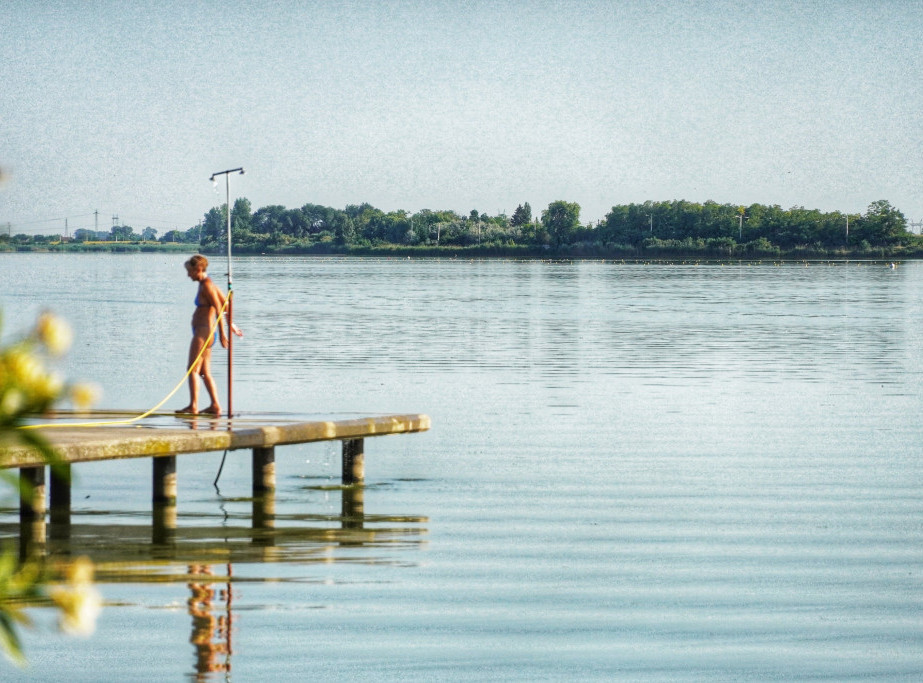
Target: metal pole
{"x":230,"y":308}
{"x":227,"y":185}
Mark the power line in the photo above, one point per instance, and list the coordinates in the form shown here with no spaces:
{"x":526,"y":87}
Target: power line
{"x":33,"y":226}
{"x":49,"y":220}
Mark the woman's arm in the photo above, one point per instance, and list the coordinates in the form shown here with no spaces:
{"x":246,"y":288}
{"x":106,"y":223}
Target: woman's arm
{"x":217,"y":299}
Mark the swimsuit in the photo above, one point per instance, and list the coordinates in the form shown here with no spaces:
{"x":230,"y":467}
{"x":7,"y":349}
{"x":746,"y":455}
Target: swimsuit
{"x":197,"y":304}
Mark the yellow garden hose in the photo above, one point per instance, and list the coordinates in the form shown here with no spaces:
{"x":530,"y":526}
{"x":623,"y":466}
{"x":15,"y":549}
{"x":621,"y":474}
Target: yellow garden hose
{"x":143,"y":415}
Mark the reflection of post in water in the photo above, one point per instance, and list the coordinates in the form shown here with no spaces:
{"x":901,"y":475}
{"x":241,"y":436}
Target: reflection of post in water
{"x":32,"y":510}
{"x":163,"y":525}
{"x":211,"y":634}
{"x":61,"y":502}
{"x":263,"y":518}
{"x":353,"y":507}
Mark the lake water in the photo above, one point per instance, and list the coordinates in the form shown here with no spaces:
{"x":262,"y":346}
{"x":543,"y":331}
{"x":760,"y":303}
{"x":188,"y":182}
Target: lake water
{"x":663,"y":471}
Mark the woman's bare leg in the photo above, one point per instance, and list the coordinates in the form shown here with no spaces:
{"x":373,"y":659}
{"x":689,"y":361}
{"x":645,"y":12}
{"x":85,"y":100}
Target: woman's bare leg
{"x":206,"y":371}
{"x":195,"y":346}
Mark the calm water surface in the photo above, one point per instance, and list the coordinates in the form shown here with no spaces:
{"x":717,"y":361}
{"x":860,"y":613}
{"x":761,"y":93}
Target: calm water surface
{"x":634,"y":472}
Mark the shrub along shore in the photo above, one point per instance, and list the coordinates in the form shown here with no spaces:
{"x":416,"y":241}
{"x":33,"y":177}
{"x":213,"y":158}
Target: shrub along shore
{"x":649,"y":231}
{"x":658,"y":250}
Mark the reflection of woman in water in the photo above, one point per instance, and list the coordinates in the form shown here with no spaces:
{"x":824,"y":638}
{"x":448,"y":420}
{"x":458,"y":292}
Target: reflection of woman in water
{"x":208,"y":301}
{"x":210,"y":636}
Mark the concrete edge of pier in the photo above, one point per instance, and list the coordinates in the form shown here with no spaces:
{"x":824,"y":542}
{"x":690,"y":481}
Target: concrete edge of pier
{"x":106,"y":442}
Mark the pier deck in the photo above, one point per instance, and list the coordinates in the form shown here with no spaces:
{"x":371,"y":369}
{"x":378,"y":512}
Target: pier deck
{"x":164,"y":436}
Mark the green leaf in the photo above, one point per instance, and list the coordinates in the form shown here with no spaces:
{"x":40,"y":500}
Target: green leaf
{"x":9,"y":641}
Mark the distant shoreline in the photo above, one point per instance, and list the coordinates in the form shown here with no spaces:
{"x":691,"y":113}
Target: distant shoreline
{"x":570,"y":253}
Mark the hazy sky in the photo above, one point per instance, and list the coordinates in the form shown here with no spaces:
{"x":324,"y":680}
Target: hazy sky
{"x":127,"y":108}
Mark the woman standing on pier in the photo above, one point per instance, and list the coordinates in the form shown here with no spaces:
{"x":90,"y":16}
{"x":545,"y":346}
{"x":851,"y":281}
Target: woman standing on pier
{"x":208,"y":302}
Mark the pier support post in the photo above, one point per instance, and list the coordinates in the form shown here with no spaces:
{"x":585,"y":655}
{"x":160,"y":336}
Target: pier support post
{"x":264,"y":493}
{"x":353,"y":461}
{"x":164,"y":498}
{"x":165,"y":479}
{"x":264,"y":470}
{"x":60,"y":501}
{"x":32,"y":493}
{"x":32,"y":510}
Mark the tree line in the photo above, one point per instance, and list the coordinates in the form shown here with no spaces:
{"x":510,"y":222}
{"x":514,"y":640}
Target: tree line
{"x":651,"y":225}
{"x":650,"y":228}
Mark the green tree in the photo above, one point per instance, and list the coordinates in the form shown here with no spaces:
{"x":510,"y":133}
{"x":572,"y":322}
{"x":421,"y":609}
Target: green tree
{"x":344,"y":230}
{"x":241,"y":217}
{"x":561,"y":219}
{"x":269,"y":220}
{"x":522,"y":215}
{"x":214,"y":226}
{"x":882,"y":224}
{"x":397,"y":228}
{"x":122,"y":233}
{"x":178,"y":236}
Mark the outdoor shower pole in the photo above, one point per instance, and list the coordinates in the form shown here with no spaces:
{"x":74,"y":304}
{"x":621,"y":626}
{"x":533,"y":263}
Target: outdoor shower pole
{"x":230,"y":307}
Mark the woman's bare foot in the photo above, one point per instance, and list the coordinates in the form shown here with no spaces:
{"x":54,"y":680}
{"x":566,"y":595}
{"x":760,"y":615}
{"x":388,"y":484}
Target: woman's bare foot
{"x":189,"y":410}
{"x":213,"y":409}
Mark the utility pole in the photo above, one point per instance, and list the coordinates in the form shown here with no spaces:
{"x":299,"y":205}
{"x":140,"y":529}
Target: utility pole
{"x":95,"y":224}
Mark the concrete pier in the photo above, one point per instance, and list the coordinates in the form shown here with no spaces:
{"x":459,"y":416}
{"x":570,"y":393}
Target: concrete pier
{"x":163,"y":437}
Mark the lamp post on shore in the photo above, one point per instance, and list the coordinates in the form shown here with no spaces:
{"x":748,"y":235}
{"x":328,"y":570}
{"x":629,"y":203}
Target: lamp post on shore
{"x":227,"y":189}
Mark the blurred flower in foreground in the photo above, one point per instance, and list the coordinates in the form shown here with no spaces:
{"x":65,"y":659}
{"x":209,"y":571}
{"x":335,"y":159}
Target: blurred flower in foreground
{"x":27,"y":388}
{"x":79,"y":601}
{"x":85,"y":395}
{"x":26,"y":385}
{"x":19,"y":585}
{"x":54,"y":333}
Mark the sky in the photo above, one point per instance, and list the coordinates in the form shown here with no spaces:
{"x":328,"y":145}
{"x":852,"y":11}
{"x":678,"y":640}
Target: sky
{"x":127,"y":109}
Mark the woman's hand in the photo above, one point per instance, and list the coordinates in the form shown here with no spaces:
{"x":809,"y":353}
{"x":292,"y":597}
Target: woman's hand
{"x":236,"y":330}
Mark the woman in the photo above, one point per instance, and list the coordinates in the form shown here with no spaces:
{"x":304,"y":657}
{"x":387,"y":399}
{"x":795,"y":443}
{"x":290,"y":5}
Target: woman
{"x":208,"y":301}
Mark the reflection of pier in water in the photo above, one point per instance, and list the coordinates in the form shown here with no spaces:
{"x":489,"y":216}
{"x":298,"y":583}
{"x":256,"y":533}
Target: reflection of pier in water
{"x":189,"y":548}
{"x":191,"y":539}
{"x":201,"y":551}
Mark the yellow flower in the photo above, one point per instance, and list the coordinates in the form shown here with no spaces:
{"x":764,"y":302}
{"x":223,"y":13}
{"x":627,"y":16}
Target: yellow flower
{"x":24,"y":368}
{"x":79,"y":601}
{"x":11,"y":401}
{"x":47,"y":387}
{"x":84,"y":395}
{"x":54,"y":333}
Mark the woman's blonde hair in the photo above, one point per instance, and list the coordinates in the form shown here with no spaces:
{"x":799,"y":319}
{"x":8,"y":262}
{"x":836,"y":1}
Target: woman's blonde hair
{"x":196,"y":262}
